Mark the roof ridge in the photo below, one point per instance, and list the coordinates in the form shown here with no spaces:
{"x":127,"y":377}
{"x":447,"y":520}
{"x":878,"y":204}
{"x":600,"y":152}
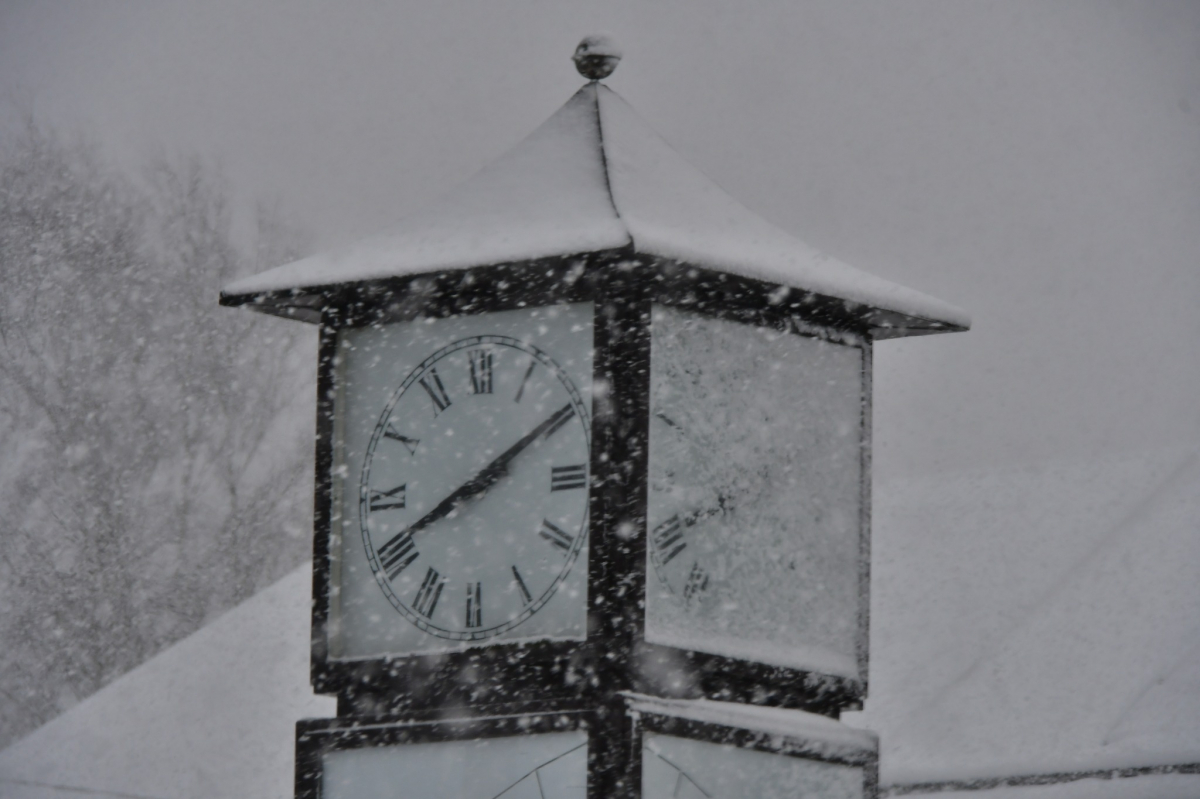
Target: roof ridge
{"x":612,"y":200}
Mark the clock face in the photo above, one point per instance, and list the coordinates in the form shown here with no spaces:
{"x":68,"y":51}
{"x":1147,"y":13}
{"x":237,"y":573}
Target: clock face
{"x":465,"y":476}
{"x":481,"y":547}
{"x":754,"y":495}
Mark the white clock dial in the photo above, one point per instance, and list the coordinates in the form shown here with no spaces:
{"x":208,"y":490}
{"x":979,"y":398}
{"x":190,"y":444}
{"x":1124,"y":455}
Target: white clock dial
{"x":462,"y":481}
{"x":474,"y":490}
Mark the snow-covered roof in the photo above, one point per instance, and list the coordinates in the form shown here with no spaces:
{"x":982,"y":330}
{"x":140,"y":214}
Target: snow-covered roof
{"x":212,"y":716}
{"x":595,"y":177}
{"x":1038,"y":621}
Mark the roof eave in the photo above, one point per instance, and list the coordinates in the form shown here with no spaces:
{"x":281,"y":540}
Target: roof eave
{"x":308,"y":303}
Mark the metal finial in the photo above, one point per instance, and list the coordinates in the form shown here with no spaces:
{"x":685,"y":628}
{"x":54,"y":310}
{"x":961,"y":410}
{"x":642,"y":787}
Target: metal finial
{"x":596,"y":57}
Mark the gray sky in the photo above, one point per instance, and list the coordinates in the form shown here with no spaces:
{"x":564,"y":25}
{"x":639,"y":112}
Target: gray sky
{"x":1036,"y":164}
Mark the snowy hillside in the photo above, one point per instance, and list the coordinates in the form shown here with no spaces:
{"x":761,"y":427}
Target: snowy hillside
{"x":213,"y":716}
{"x":1037,"y":621}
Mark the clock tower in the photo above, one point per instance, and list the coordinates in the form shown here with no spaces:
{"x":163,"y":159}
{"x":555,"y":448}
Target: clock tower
{"x":592,"y":497}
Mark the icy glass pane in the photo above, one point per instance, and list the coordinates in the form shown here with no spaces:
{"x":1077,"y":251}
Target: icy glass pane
{"x":525,"y":767}
{"x":461,"y":465}
{"x":755,"y":493}
{"x":680,"y":768}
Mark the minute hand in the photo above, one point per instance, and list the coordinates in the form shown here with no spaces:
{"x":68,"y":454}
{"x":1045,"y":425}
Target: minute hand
{"x":488,"y":476}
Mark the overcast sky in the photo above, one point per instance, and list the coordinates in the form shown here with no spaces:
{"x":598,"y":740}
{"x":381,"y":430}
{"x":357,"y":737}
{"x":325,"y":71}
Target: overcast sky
{"x":1035,"y":164}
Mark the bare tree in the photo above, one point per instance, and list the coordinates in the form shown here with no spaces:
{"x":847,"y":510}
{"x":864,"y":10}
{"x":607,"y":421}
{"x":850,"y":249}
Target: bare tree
{"x":156,"y":445}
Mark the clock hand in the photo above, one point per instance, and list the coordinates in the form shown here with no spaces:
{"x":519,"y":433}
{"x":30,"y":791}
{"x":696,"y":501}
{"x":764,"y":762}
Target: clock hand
{"x":488,"y":476}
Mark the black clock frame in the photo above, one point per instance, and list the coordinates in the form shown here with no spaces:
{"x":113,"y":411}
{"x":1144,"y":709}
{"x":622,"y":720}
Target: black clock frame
{"x":623,"y":285}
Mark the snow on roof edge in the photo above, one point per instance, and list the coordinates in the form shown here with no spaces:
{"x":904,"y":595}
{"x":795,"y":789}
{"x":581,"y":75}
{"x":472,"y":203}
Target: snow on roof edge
{"x":797,"y":724}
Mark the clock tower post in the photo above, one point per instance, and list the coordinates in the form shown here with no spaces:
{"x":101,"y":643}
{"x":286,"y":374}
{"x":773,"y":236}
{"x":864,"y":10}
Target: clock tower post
{"x":592,"y":483}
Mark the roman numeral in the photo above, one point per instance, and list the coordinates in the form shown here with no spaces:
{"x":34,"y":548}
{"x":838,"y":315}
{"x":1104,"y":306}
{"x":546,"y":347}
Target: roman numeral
{"x":396,"y":555}
{"x":428,"y":594}
{"x":386,"y":500}
{"x":666,"y":539}
{"x":697,"y":581}
{"x":525,"y":379}
{"x":481,"y":371}
{"x":436,"y":391}
{"x":563,"y":478}
{"x":526,"y":597}
{"x":474,"y":605}
{"x":557,"y":536}
{"x":409,"y":443}
{"x":667,"y":419}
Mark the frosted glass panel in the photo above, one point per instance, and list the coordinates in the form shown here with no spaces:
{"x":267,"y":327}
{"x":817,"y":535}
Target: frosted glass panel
{"x":679,"y":768}
{"x":553,"y":766}
{"x":755,"y":493}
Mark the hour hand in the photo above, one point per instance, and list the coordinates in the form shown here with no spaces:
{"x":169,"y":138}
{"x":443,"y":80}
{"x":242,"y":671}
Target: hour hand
{"x":488,"y":475}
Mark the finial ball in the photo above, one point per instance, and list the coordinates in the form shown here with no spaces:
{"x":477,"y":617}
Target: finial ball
{"x":596,"y":56}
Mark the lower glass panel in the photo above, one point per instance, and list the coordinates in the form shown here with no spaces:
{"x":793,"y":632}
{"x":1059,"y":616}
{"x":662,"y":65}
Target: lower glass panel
{"x":553,"y":765}
{"x":680,"y":768}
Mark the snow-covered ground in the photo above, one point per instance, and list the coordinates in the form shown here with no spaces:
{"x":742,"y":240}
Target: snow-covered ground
{"x":1037,"y":621}
{"x":1024,"y":622}
{"x":212,"y":716}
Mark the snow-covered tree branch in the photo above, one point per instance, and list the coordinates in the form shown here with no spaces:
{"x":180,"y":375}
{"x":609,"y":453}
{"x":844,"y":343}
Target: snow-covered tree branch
{"x":156,"y":467}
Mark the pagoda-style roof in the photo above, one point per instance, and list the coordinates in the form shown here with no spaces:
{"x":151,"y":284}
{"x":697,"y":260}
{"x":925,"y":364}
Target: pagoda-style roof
{"x":594,"y":177}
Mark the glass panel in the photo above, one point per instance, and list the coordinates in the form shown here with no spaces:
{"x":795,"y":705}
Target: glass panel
{"x":680,"y":768}
{"x":553,"y":766}
{"x":460,"y":482}
{"x":755,"y":493}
